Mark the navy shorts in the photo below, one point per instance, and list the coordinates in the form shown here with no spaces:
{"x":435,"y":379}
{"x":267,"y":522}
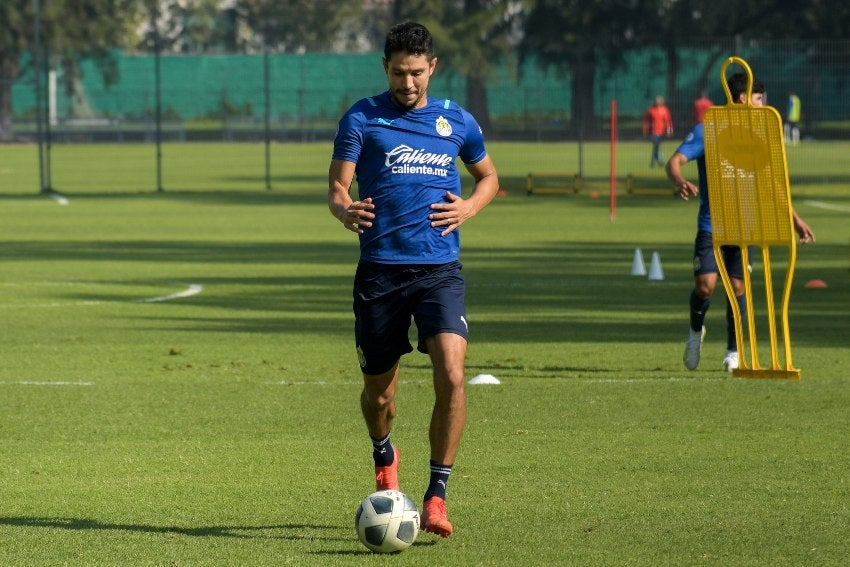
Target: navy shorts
{"x":388,"y":297}
{"x":705,"y":263}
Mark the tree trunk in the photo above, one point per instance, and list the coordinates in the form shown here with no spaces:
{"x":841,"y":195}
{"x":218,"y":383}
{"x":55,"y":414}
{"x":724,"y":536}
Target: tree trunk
{"x":476,"y":102}
{"x":582,"y":121}
{"x":8,"y":74}
{"x":681,"y":109}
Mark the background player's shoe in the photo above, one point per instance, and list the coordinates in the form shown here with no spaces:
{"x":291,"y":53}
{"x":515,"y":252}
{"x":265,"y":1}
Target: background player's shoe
{"x":434,"y":518}
{"x":386,"y":478}
{"x":730,"y":361}
{"x":693,"y":347}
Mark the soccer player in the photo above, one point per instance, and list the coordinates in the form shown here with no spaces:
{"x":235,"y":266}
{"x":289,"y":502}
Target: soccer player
{"x":792,"y":119}
{"x":705,"y":266}
{"x":402,"y":146}
{"x":658,"y":123}
{"x":701,"y":104}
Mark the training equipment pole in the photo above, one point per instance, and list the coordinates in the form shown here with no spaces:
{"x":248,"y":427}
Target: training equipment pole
{"x":157,"y":97}
{"x":267,"y":113}
{"x":36,"y":65}
{"x":613,"y":179}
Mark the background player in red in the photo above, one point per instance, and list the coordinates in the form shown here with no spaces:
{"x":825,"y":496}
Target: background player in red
{"x":657,"y":123}
{"x":701,"y":104}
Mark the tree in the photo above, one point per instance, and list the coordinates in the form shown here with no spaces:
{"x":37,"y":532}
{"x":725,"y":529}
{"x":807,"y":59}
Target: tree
{"x":297,"y":26}
{"x":70,"y":28}
{"x":714,"y":24}
{"x":471,"y":37}
{"x":188,"y":26}
{"x":570,"y":35}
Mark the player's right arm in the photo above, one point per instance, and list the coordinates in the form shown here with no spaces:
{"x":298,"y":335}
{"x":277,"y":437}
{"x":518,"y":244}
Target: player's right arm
{"x":684,"y":188}
{"x":803,"y":231}
{"x":354,"y":215}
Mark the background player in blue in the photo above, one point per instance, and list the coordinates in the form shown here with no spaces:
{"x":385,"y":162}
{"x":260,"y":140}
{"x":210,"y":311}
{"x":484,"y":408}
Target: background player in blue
{"x":402,"y":146}
{"x":705,"y":265}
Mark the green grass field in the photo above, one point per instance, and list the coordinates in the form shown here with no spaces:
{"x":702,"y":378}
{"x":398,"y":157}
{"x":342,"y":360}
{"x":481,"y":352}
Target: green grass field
{"x":142,"y":425}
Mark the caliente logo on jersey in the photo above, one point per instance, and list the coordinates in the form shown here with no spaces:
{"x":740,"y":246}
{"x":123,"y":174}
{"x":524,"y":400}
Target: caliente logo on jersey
{"x":404,"y":159}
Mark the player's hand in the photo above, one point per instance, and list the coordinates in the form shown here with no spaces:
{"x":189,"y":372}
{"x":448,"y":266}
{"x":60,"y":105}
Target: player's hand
{"x":686,"y":190}
{"x":803,"y":231}
{"x":452,"y":214}
{"x":358,"y":215}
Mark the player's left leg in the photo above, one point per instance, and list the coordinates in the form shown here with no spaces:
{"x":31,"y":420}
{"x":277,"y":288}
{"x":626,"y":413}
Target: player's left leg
{"x":448,"y":353}
{"x":440,"y":317}
{"x":735,"y":266}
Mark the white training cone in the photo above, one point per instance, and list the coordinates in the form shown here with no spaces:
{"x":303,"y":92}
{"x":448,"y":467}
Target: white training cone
{"x":656,"y":273}
{"x":638,"y":267}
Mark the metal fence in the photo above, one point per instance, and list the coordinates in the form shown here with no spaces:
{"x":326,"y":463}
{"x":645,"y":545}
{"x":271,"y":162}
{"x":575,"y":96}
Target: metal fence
{"x":274,"y":97}
{"x":300,"y":97}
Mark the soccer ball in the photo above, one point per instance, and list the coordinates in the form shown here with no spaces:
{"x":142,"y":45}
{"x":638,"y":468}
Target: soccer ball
{"x":387,"y":521}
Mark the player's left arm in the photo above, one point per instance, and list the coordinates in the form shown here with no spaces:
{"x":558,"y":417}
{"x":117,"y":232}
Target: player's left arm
{"x":803,"y":231}
{"x":457,"y":210}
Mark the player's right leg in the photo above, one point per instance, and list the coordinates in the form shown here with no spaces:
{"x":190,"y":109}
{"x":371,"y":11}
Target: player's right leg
{"x":381,"y":322}
{"x":705,"y":280}
{"x":377,"y":403}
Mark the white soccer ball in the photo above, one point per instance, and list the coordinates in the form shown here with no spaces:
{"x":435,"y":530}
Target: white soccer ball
{"x":387,"y":521}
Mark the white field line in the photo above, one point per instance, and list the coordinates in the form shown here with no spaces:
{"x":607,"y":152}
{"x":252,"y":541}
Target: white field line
{"x":657,"y":380}
{"x":193,"y":289}
{"x":827,"y":206}
{"x":60,"y":199}
{"x":572,"y":380}
{"x":327,"y":383}
{"x":45,"y":383}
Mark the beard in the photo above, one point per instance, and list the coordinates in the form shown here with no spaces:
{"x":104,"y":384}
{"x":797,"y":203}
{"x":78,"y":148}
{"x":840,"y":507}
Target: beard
{"x":408,"y":100}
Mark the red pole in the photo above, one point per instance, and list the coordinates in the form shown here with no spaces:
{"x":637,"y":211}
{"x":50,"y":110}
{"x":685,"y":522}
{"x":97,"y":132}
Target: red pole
{"x":613,"y":186}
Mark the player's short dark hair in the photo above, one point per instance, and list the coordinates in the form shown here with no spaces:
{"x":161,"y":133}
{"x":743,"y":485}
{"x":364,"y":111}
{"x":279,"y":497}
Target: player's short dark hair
{"x":738,"y":85}
{"x":411,"y":38}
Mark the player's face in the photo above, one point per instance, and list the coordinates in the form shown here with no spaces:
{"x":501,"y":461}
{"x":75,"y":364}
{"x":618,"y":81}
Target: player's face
{"x":756,"y":99}
{"x":408,"y":77}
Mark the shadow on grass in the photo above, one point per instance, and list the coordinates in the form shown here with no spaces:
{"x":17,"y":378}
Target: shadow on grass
{"x":286,"y":532}
{"x":544,"y":292}
{"x":313,"y":194}
{"x":276,"y":531}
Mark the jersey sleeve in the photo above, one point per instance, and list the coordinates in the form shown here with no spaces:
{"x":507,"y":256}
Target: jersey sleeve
{"x":473,"y":149}
{"x":693,"y":146}
{"x":349,"y":136}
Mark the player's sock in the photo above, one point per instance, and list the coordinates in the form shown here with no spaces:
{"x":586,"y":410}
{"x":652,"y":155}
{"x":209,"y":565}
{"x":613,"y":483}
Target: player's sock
{"x":731,"y":343}
{"x":382,"y":451}
{"x":698,"y":308}
{"x":439,"y":478}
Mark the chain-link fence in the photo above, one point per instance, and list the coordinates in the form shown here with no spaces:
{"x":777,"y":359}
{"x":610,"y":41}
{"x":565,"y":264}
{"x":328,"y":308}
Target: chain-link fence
{"x":231,"y":97}
{"x":288,"y":97}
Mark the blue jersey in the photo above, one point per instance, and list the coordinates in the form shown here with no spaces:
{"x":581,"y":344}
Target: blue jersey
{"x":405,"y":161}
{"x":693,"y":148}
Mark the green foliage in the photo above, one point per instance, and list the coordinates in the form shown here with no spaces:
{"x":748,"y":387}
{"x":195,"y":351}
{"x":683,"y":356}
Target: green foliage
{"x":68,"y":28}
{"x":298,"y":25}
{"x":224,"y":428}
